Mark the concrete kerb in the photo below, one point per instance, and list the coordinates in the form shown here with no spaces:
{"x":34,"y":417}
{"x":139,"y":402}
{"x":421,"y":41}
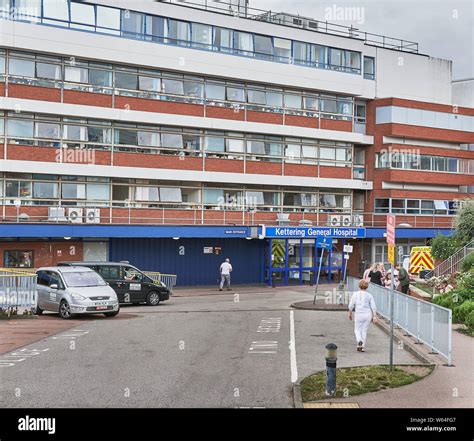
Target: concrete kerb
{"x":297,"y":397}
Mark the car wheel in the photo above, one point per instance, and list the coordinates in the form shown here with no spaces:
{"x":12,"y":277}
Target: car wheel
{"x":65,"y":310}
{"x":38,"y":310}
{"x":153,"y":298}
{"x":111,"y":314}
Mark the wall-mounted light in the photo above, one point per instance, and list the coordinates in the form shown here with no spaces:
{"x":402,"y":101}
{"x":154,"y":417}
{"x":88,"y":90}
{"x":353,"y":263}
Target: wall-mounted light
{"x":176,"y":238}
{"x":67,"y":238}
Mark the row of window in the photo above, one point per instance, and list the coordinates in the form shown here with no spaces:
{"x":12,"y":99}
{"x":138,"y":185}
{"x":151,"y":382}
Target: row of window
{"x":81,"y":75}
{"x":30,"y":130}
{"x":415,"y":206}
{"x":415,"y":161}
{"x":130,"y":24}
{"x":51,"y":190}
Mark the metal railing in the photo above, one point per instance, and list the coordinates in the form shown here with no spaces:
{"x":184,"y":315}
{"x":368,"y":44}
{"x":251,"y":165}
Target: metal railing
{"x":429,"y":323}
{"x":168,"y":279}
{"x":233,"y":217}
{"x":17,"y":290}
{"x":297,"y":21}
{"x":453,"y":263}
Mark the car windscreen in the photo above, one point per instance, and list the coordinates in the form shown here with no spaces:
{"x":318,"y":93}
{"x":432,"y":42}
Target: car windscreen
{"x":83,"y":279}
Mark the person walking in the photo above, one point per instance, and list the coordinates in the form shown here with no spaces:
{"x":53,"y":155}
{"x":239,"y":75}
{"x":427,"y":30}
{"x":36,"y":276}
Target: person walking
{"x":362,"y":304}
{"x":375,"y":275}
{"x":225,"y":270}
{"x":367,"y":272}
{"x":403,"y":278}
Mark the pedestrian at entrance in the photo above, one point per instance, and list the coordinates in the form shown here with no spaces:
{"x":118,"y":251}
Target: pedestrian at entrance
{"x":225,"y":269}
{"x":367,"y":272}
{"x":362,"y":304}
{"x":403,"y":278}
{"x":375,"y":275}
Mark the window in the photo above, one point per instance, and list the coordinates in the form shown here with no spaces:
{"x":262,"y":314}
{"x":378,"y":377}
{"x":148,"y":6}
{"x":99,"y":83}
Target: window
{"x":149,"y":83}
{"x":236,"y":94}
{"x":193,"y":89}
{"x":453,"y":165}
{"x":382,"y":205}
{"x":76,"y":75}
{"x":215,"y":91}
{"x":56,"y":9}
{"x":123,"y":136}
{"x":360,"y":113}
{"x":253,"y":198}
{"x":21,"y":68}
{"x":108,"y":19}
{"x":168,"y":194}
{"x":2,"y":65}
{"x":301,"y":52}
{"x":82,"y":14}
{"x":120,"y":193}
{"x":243,"y":42}
{"x":156,"y":28}
{"x":344,"y":107}
{"x":223,"y":39}
{"x":18,"y":259}
{"x":98,"y":192}
{"x":214,"y":143}
{"x":173,"y":86}
{"x":352,"y":61}
{"x":263,"y":47}
{"x":192,"y":141}
{"x":27,"y":9}
{"x":75,"y":133}
{"x":319,"y":55}
{"x":47,"y":130}
{"x":101,"y":78}
{"x":311,"y":103}
{"x":201,"y":35}
{"x":132,"y":23}
{"x":20,"y":128}
{"x":99,"y":135}
{"x":178,"y":32}
{"x":256,"y":97}
{"x":172,"y":140}
{"x":147,"y":194}
{"x":45,"y":190}
{"x":213,"y":196}
{"x":273,"y":148}
{"x":293,"y":101}
{"x":48,"y":71}
{"x":235,"y":145}
{"x":335,"y":57}
{"x":293,"y":151}
{"x":149,"y":139}
{"x":398,"y":205}
{"x":256,"y":147}
{"x":427,"y":207}
{"x":369,"y":68}
{"x":15,"y":189}
{"x":328,"y":105}
{"x":126,"y":81}
{"x":274,"y":99}
{"x":282,"y":49}
{"x":73,"y":191}
{"x":327,"y":153}
{"x":413,"y":206}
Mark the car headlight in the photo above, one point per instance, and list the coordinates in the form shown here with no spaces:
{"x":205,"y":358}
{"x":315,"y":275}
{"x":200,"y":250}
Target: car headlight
{"x":77,"y":296}
{"x":163,"y":284}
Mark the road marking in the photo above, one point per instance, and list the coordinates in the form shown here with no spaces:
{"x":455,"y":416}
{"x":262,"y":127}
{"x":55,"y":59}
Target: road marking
{"x":270,"y":325}
{"x":263,"y":347}
{"x":68,"y":335}
{"x":18,"y":356}
{"x":293,"y":365}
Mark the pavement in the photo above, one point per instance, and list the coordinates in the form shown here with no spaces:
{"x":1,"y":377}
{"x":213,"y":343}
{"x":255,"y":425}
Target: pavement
{"x":237,"y":349}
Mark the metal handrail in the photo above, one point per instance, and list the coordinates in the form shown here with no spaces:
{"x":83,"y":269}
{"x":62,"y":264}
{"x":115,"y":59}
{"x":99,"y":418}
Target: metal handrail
{"x":238,"y":216}
{"x":452,"y":263}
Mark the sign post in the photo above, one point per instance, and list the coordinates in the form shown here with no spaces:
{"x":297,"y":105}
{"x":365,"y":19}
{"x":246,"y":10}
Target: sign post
{"x":391,"y":256}
{"x":325,"y":244}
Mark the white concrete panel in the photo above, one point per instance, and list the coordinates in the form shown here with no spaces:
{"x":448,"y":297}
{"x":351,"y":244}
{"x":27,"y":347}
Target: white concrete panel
{"x":133,"y":116}
{"x":184,"y":175}
{"x":463,"y":92}
{"x":414,"y":77}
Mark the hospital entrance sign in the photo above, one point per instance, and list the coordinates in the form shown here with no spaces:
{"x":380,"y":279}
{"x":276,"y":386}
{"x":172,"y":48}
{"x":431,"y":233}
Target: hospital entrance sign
{"x":313,"y":233}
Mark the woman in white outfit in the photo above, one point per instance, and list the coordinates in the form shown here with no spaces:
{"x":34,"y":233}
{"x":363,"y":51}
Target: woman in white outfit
{"x":363,"y":305}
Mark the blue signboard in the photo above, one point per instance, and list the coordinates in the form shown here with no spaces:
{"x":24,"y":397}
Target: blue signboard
{"x":314,"y":233}
{"x":324,"y":242}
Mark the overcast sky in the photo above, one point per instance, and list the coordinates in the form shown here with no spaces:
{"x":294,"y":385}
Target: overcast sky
{"x":443,"y":28}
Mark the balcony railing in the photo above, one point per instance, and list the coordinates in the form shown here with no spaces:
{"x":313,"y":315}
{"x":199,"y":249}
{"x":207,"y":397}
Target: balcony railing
{"x":124,"y":216}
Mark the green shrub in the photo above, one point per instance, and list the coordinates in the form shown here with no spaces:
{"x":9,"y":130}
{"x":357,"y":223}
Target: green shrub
{"x":469,"y":322}
{"x":468,"y":262}
{"x":444,"y":246}
{"x":464,"y":224}
{"x":445,"y":300}
{"x":461,"y":312}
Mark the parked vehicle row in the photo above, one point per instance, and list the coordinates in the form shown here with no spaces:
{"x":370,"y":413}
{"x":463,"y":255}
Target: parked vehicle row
{"x":95,"y":288}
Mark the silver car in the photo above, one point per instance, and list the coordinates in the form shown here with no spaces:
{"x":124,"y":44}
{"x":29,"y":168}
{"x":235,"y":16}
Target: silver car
{"x":73,"y":290}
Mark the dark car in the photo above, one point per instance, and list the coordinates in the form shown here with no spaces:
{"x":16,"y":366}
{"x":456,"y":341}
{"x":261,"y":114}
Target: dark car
{"x":130,"y":284}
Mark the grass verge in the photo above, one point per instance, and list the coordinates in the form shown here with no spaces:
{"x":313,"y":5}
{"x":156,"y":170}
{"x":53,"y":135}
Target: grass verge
{"x":362,"y":379}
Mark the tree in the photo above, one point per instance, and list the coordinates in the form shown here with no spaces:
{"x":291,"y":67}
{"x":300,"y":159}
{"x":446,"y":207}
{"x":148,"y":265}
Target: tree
{"x":464,"y":224}
{"x":444,"y":246}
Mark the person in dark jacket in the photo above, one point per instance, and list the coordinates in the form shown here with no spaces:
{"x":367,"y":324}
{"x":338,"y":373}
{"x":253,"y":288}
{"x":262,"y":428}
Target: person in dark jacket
{"x":403,"y":278}
{"x":376,"y":275}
